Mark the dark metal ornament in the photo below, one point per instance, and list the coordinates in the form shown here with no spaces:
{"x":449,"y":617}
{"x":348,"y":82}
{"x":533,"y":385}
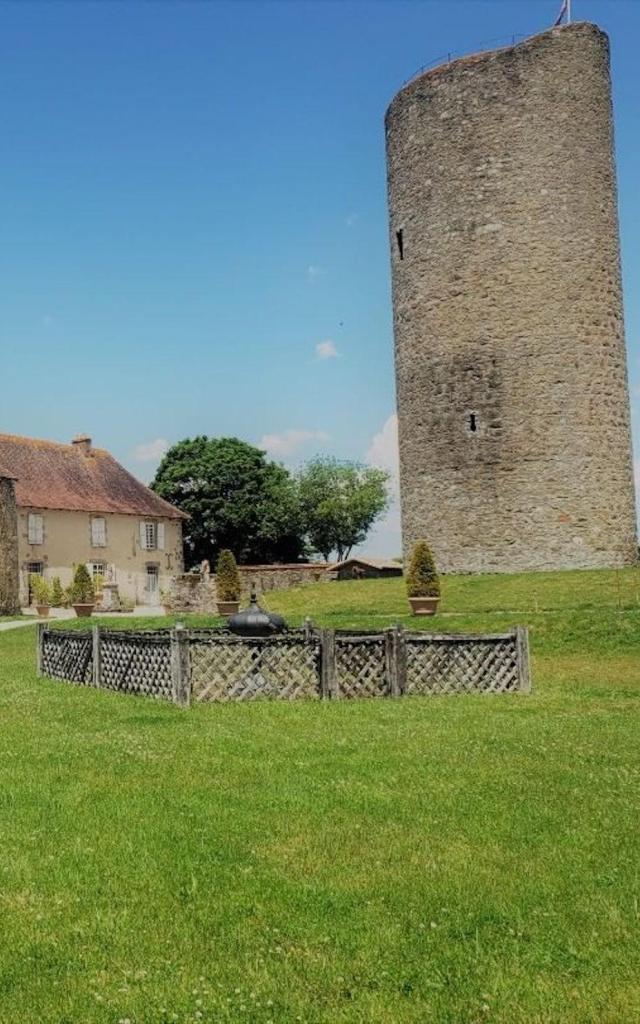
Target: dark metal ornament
{"x":255,"y":621}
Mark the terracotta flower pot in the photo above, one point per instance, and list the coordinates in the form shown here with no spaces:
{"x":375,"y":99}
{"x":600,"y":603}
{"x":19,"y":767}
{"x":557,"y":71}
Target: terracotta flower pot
{"x":43,"y":611}
{"x":424,"y":605}
{"x":227,"y":608}
{"x":83,"y":611}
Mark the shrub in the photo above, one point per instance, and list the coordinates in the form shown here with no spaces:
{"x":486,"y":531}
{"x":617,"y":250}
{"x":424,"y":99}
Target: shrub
{"x":228,"y":584}
{"x":82,"y":589}
{"x":40,"y":589}
{"x":57,"y":593}
{"x":422,"y":577}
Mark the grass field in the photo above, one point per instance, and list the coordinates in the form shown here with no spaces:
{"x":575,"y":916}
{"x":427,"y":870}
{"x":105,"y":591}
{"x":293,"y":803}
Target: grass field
{"x":455,"y":860}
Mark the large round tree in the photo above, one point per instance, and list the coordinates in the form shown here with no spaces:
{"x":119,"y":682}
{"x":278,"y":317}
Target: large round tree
{"x":235,"y":498}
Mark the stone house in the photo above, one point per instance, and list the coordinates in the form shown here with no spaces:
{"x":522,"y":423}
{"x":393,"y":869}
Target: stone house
{"x":75,"y":503}
{"x":361,"y":567}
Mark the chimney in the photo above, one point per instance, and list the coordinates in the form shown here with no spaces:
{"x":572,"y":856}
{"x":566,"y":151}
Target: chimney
{"x":83,"y":444}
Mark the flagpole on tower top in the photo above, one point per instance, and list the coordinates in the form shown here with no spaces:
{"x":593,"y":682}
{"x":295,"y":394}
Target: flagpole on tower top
{"x":565,"y":14}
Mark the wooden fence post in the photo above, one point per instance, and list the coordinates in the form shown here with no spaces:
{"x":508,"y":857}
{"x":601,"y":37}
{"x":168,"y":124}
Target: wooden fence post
{"x":522,"y":657}
{"x":401,"y":660}
{"x":180,"y":666}
{"x":328,"y":687}
{"x":391,"y":661}
{"x":96,"y":656}
{"x":41,"y":629}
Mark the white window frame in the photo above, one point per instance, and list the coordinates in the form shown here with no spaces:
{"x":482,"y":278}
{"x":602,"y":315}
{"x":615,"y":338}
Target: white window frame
{"x":98,"y":569}
{"x":35,"y":528}
{"x":151,"y":535}
{"x":98,"y":532}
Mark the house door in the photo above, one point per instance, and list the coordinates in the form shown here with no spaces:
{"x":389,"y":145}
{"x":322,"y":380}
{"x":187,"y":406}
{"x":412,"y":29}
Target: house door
{"x":152,"y":589}
{"x":32,"y":569}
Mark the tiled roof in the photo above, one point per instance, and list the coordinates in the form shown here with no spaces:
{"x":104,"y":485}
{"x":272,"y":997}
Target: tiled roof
{"x":76,"y":477}
{"x":374,"y":563}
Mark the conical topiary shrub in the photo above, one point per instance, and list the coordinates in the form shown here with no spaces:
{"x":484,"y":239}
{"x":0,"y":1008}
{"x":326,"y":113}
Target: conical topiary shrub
{"x":423,"y":582}
{"x":228,"y":585}
{"x":82,"y":591}
{"x":57,"y":593}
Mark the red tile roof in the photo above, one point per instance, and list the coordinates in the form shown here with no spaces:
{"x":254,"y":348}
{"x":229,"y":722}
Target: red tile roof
{"x":77,"y":478}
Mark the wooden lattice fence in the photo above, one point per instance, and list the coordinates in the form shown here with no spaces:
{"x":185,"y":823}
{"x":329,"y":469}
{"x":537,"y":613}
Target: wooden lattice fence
{"x":214,"y":665}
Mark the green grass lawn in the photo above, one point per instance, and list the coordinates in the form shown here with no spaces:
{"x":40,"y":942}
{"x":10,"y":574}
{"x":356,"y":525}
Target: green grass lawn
{"x":456,"y":860}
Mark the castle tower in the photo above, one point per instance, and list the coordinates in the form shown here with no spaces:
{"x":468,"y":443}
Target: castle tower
{"x":9,"y":576}
{"x":513,"y":405}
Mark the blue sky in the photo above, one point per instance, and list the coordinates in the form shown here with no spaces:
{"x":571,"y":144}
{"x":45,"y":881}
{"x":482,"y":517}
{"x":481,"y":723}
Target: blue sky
{"x":193,"y":214}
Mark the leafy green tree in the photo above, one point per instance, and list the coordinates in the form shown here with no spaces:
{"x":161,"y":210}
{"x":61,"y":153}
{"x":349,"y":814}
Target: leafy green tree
{"x":228,"y":584}
{"x":235,"y":498}
{"x":340,"y":502}
{"x":422,"y":577}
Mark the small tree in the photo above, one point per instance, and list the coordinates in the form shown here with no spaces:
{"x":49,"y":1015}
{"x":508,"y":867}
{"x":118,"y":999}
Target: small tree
{"x":40,"y":589}
{"x":57,"y":593}
{"x":82,"y":589}
{"x":422,"y":577}
{"x":340,"y":502}
{"x":228,"y":584}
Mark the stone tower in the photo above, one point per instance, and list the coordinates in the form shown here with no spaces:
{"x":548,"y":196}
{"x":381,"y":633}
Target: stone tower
{"x":9,"y":577}
{"x":515,"y":448}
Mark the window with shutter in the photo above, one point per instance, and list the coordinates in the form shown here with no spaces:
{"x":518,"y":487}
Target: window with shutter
{"x":149,"y":536}
{"x":160,"y":534}
{"x":36,"y":528}
{"x":98,"y":532}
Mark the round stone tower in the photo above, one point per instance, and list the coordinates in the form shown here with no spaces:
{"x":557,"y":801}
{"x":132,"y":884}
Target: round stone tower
{"x":515,"y":448}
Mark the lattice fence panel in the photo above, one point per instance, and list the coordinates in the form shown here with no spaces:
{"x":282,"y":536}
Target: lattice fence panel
{"x":137,"y":663}
{"x":468,"y":665}
{"x":67,"y":655}
{"x":225,"y":669}
{"x":360,"y":666}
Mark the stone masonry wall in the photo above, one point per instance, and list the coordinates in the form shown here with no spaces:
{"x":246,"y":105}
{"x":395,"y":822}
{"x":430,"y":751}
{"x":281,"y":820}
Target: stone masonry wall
{"x":193,"y":592}
{"x":9,"y":576}
{"x":511,"y":373}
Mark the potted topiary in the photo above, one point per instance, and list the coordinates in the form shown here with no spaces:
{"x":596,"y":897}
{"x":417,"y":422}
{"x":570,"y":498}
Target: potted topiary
{"x":228,"y":584}
{"x":83,"y":596}
{"x":423,"y":584}
{"x":41,"y":594}
{"x":57,"y":593}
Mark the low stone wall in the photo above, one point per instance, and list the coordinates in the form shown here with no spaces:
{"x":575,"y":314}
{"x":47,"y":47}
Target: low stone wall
{"x":195,"y":592}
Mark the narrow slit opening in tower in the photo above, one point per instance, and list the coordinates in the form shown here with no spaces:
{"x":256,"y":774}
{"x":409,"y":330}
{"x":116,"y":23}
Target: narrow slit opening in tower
{"x":473,"y":426}
{"x":400,"y":241}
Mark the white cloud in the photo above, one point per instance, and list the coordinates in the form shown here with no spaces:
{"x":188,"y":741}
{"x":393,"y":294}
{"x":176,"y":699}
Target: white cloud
{"x":150,"y":451}
{"x":314,"y":272}
{"x":326,"y":349}
{"x":383,"y":450}
{"x":289,"y":441}
{"x":385,"y":539}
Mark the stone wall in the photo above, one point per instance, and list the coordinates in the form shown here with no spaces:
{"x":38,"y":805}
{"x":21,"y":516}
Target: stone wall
{"x":9,"y":577}
{"x":511,"y":373}
{"x":193,"y":592}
